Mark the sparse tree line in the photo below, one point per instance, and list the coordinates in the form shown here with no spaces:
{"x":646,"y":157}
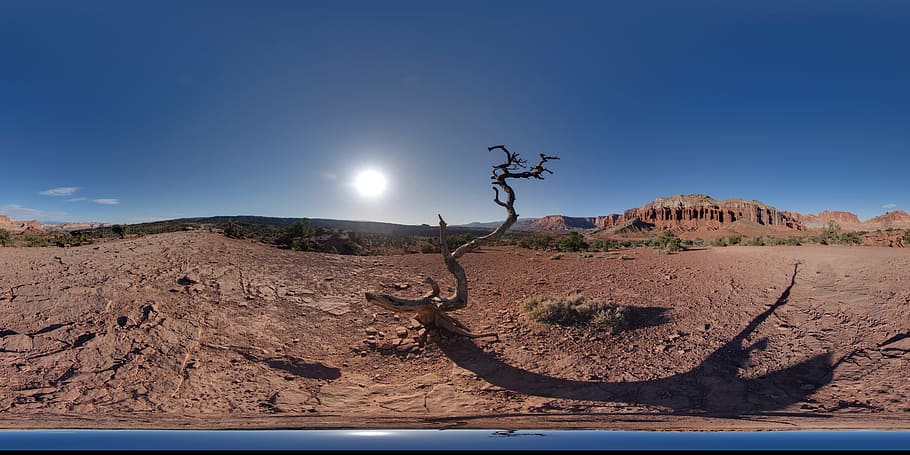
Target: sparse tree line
{"x":301,"y":236}
{"x":574,"y":241}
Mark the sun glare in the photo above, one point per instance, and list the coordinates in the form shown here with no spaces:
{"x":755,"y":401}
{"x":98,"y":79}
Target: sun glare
{"x":370,"y":183}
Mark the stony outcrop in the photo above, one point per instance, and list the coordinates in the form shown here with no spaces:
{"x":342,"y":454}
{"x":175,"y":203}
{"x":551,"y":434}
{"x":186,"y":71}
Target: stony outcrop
{"x":895,"y":219}
{"x":18,"y":227}
{"x":699,"y":212}
{"x":692,"y":212}
{"x":846,"y":220}
{"x":561,"y":223}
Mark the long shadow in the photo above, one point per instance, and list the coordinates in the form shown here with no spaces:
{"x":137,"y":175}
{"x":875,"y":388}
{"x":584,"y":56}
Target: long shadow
{"x":297,"y":367}
{"x":713,"y":387}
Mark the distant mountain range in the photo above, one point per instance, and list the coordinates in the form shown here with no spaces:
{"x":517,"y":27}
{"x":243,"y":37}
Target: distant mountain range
{"x":681,"y":213}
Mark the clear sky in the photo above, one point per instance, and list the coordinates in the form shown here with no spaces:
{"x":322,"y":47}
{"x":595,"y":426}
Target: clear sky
{"x":127,"y":111}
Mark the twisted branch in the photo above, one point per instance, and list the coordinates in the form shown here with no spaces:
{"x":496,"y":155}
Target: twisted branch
{"x":430,"y":308}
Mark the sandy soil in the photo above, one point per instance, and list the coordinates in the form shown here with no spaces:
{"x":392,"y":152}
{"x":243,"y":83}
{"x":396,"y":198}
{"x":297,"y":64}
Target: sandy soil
{"x":197,"y":330}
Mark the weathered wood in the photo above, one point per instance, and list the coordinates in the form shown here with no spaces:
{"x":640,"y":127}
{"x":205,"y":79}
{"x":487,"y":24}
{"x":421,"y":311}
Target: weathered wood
{"x":430,"y":309}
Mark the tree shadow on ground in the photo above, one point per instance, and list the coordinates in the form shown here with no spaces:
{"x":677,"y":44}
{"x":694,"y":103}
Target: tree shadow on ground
{"x":713,"y":387}
{"x":298,"y":367}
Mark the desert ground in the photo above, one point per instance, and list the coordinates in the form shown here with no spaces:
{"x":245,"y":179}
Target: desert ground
{"x":195,"y":330}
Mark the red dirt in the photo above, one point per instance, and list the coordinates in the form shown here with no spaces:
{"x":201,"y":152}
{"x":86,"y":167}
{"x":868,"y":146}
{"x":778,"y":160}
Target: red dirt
{"x":196,"y":330}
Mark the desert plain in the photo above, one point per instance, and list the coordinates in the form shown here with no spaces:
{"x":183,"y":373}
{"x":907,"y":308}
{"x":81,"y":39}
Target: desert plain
{"x":197,"y":330}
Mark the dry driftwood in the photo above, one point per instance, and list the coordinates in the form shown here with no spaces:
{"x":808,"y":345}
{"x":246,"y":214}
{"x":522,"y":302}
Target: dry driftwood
{"x":431,"y":309}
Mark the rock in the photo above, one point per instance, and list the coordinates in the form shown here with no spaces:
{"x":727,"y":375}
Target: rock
{"x":414,"y":324}
{"x":401,"y":332}
{"x":371,"y":330}
{"x":189,"y":279}
{"x":405,"y":347}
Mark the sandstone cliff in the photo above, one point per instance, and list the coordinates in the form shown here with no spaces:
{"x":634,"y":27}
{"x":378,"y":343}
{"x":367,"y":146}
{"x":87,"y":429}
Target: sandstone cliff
{"x":15,"y":226}
{"x":697,"y":212}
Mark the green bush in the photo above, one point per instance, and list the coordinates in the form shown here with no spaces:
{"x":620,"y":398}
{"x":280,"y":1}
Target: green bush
{"x":720,"y":241}
{"x":426,"y":248}
{"x":573,"y":242}
{"x":756,"y":241}
{"x":574,"y":311}
{"x":605,"y":245}
{"x":121,"y":229}
{"x":6,"y":239}
{"x":36,"y":241}
{"x":907,"y":237}
{"x":735,"y":240}
{"x":233,"y":230}
{"x":455,"y":241}
{"x":666,"y":241}
{"x":832,"y":235}
{"x":536,"y":242}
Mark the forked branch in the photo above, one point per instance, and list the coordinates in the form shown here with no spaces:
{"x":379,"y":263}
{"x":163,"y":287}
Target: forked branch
{"x":430,"y":308}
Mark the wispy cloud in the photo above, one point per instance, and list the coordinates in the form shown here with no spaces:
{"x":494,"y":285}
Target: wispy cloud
{"x":62,"y":191}
{"x":889,"y":206}
{"x":19,"y":212}
{"x":77,"y":199}
{"x":106,"y":201}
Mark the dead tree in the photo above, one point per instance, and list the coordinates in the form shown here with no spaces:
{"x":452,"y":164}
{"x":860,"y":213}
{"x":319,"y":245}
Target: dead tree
{"x":431,"y":309}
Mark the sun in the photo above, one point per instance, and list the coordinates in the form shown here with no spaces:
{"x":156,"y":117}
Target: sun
{"x":370,"y":183}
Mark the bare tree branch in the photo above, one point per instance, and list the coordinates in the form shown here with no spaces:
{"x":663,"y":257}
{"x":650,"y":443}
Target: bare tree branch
{"x":430,"y":308}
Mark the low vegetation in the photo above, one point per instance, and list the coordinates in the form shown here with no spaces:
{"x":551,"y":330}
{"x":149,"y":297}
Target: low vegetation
{"x":832,"y":235}
{"x":574,"y":242}
{"x":121,"y":230}
{"x":666,"y":241}
{"x":576,"y":312}
{"x":6,"y":239}
{"x":299,"y":236}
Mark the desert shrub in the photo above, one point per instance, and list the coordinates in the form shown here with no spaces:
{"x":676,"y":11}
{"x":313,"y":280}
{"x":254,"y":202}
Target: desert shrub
{"x":666,"y":241}
{"x":300,"y":236}
{"x":794,"y":241}
{"x":605,"y":245}
{"x":121,"y":229}
{"x":756,"y":241}
{"x":695,"y":242}
{"x":574,"y":311}
{"x":907,"y":237}
{"x":734,"y":240}
{"x":6,"y":239}
{"x":36,"y":241}
{"x":233,"y":230}
{"x":536,"y":242}
{"x":63,"y":239}
{"x":573,"y":242}
{"x":720,"y":241}
{"x":455,"y":241}
{"x":426,"y":248}
{"x":832,"y":235}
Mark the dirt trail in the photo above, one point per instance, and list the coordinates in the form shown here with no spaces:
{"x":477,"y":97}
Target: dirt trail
{"x":194,"y":329}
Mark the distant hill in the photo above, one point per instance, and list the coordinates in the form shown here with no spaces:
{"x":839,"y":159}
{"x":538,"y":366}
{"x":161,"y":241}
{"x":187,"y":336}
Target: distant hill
{"x":522,"y":224}
{"x":263,"y":225}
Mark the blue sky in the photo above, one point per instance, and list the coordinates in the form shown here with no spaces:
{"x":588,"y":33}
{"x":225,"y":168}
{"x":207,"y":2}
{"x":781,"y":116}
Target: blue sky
{"x":165,"y":109}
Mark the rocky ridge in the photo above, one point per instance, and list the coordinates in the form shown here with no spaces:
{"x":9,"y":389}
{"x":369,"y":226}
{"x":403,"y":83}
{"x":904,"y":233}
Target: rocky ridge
{"x":699,"y":212}
{"x":18,"y":227}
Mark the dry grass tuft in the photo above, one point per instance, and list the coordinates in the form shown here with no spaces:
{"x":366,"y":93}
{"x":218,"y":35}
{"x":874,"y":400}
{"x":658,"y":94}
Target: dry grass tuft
{"x":574,"y":311}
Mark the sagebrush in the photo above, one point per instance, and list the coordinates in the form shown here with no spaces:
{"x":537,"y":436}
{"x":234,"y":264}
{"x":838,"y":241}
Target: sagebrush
{"x":576,"y":312}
